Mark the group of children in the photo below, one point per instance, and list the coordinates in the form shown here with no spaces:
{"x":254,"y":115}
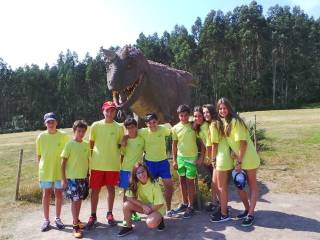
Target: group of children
{"x":134,"y":159}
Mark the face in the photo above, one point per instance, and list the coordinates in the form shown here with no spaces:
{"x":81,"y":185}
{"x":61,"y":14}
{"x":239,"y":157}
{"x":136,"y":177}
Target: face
{"x":152,"y":124}
{"x":109,"y":114}
{"x":184,"y":117}
{"x":206,"y":114}
{"x":79,"y":133}
{"x":198,"y":118}
{"x":132,"y":130}
{"x":51,"y":125}
{"x":223,"y":110}
{"x":142,"y":174}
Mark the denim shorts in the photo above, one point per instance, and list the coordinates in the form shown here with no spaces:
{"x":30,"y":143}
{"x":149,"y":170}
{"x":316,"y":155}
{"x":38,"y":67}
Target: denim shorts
{"x":48,"y":184}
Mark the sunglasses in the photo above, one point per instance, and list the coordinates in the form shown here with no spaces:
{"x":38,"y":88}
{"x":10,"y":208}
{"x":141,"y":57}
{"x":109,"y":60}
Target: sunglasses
{"x":140,"y":173}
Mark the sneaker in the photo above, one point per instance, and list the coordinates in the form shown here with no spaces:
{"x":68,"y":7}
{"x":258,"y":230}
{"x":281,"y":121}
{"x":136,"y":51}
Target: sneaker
{"x":161,"y":226}
{"x":188,"y":213}
{"x":81,"y":224}
{"x":220,"y":218}
{"x":181,"y":208}
{"x":247,"y":221}
{"x":125,"y":231}
{"x":59,"y":223}
{"x":135,"y":217}
{"x":171,"y":213}
{"x":45,"y":226}
{"x":91,"y":222}
{"x":124,"y":223}
{"x":110,"y":219}
{"x":242,"y":215}
{"x":76,"y":231}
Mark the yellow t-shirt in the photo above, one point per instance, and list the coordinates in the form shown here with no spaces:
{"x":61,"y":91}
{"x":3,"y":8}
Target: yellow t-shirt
{"x":106,"y":152}
{"x":224,"y":161}
{"x":78,"y":154}
{"x":239,"y":132}
{"x":132,"y":153}
{"x":155,"y":143}
{"x":204,"y":134}
{"x":187,"y":140}
{"x":149,"y":193}
{"x":49,"y":147}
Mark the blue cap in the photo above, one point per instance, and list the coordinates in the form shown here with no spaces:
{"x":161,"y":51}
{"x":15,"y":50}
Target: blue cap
{"x":49,"y":117}
{"x":239,"y":179}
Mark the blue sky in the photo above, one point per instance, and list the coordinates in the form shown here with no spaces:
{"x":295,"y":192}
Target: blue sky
{"x":36,"y":31}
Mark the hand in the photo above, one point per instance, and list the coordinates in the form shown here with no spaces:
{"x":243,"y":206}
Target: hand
{"x":146,"y":209}
{"x":238,"y":167}
{"x":64,"y":184}
{"x":175,"y":165}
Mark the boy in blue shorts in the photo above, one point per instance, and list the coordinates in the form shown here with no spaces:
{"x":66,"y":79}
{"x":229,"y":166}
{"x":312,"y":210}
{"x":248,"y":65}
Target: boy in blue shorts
{"x":130,"y":155}
{"x":75,"y":166}
{"x":49,"y":145}
{"x":156,"y":155}
{"x":185,"y":159}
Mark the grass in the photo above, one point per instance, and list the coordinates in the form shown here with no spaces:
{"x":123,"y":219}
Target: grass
{"x":291,"y":159}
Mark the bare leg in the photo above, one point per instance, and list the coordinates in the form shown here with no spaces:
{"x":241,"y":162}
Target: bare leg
{"x":94,"y":199}
{"x":214,"y":187}
{"x":110,"y":197}
{"x":252,"y":180}
{"x":46,"y":194}
{"x":153,"y":220}
{"x":168,"y":190}
{"x":191,"y":191}
{"x":244,"y":198}
{"x":75,"y":209}
{"x":183,"y":188}
{"x":58,"y":201}
{"x":128,"y":208}
{"x":223,"y":190}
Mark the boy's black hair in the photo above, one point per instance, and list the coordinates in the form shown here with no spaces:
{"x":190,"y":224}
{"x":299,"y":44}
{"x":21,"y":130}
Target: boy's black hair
{"x":80,"y":124}
{"x":183,"y":108}
{"x":150,"y":116}
{"x":130,"y":121}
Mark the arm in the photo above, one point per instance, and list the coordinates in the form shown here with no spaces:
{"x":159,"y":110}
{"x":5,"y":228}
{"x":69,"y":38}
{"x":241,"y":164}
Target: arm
{"x":174,"y":154}
{"x":63,"y":172}
{"x":146,"y":209}
{"x":214,"y":150}
{"x":91,"y":147}
{"x":124,"y":141}
{"x":202,"y":153}
{"x":155,"y":208}
{"x":243,"y":148}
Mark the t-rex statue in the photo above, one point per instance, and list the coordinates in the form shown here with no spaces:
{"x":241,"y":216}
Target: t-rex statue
{"x":145,"y":86}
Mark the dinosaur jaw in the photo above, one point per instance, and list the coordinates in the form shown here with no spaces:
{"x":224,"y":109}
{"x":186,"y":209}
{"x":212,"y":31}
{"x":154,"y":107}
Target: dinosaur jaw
{"x":126,"y":97}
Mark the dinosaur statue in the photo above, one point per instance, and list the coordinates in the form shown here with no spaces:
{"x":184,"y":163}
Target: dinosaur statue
{"x":145,"y":86}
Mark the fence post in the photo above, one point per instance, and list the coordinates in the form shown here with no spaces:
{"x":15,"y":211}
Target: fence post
{"x":18,"y":175}
{"x":255,"y":132}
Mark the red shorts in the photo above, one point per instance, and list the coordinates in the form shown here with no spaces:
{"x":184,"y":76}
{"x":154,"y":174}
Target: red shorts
{"x":100,"y":178}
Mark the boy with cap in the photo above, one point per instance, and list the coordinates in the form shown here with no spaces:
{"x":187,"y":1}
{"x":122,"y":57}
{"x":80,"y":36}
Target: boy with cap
{"x":105,"y":138}
{"x":49,"y":145}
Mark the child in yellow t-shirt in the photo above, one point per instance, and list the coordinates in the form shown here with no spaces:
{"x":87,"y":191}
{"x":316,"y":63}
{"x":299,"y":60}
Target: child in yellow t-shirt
{"x":185,"y":158}
{"x":131,"y":154}
{"x":237,"y":136}
{"x":49,"y":145}
{"x":144,"y":196}
{"x":74,"y":167}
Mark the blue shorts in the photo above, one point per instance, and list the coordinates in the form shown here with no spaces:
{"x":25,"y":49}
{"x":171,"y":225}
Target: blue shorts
{"x":124,"y":179}
{"x":48,"y":184}
{"x":159,"y":169}
{"x":77,"y":189}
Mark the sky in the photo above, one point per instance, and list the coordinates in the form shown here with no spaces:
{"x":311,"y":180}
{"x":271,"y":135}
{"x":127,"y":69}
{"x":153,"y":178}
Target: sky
{"x":36,"y":31}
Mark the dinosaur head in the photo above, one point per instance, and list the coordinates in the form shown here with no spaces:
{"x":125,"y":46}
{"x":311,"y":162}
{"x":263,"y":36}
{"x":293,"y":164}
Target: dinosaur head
{"x":125,"y":74}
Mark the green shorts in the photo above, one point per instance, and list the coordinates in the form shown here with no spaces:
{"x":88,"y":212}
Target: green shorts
{"x":187,"y":167}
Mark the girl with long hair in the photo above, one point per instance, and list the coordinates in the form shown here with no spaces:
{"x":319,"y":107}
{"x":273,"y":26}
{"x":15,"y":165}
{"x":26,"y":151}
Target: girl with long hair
{"x":247,"y":159}
{"x":144,"y":196}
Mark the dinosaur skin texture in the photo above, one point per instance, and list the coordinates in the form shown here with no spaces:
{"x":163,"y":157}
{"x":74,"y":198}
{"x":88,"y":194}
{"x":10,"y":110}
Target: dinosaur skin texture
{"x":145,"y":86}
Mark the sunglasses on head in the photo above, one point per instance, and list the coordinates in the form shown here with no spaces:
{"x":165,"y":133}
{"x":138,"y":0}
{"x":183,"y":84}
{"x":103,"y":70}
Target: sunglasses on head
{"x":140,"y":173}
